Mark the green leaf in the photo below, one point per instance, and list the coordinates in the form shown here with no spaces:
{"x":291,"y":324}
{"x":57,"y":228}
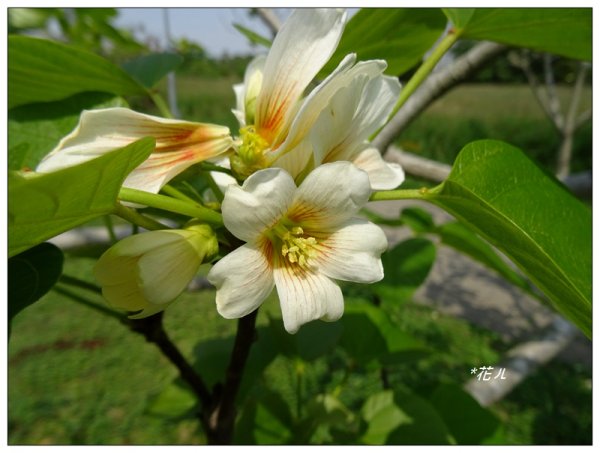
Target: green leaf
{"x":459,"y":237}
{"x":175,"y":401}
{"x":312,"y":341}
{"x":468,"y":422}
{"x":324,"y":410}
{"x":40,"y":71}
{"x":35,"y":129}
{"x":401,"y":36}
{"x":32,"y":274}
{"x":150,"y":69}
{"x":212,"y":358}
{"x":369,"y":334}
{"x":406,"y":267}
{"x":418,"y":219}
{"x":402,"y":418}
{"x":252,"y":36}
{"x":459,"y":17}
{"x":41,"y":206}
{"x":265,"y":420}
{"x":496,"y":190}
{"x":562,"y":31}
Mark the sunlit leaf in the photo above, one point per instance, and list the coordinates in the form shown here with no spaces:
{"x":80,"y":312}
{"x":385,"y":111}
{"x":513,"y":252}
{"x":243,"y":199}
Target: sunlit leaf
{"x":459,"y":237}
{"x":496,"y":190}
{"x":40,"y":70}
{"x":35,"y":129}
{"x":174,"y":401}
{"x":40,"y":206}
{"x":401,"y":36}
{"x":459,"y":17}
{"x":562,"y":31}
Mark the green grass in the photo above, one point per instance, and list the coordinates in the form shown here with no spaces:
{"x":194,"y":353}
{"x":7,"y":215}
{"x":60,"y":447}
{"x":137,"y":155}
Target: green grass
{"x":78,"y":377}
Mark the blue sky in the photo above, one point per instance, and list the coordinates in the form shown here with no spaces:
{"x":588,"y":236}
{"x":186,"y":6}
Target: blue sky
{"x":210,"y":27}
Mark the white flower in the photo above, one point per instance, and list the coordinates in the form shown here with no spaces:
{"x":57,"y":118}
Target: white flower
{"x":281,"y":129}
{"x":144,"y":273}
{"x":179,"y":144}
{"x":300,"y":240}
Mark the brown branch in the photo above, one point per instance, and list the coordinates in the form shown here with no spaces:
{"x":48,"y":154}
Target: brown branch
{"x":270,"y":19}
{"x":222,"y":417}
{"x":152,"y":329}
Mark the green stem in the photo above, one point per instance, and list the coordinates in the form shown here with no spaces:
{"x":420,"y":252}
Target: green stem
{"x":82,"y":300}
{"x":175,"y":193}
{"x":399,"y":194}
{"x":424,"y":70}
{"x":215,"y":188}
{"x":74,"y":281}
{"x":134,"y":217}
{"x":161,"y":104}
{"x":171,"y":204}
{"x":110,"y":227}
{"x":208,"y":166}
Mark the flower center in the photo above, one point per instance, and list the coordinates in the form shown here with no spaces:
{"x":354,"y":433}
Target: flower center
{"x":250,"y":154}
{"x":296,"y":246}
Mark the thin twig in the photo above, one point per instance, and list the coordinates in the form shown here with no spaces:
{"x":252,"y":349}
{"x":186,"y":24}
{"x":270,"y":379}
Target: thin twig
{"x":88,"y":303}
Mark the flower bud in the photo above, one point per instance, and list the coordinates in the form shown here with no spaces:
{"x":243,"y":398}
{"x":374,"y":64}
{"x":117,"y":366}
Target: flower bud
{"x":144,"y":273}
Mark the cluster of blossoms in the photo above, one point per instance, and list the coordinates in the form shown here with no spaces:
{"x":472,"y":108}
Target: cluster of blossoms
{"x":302,"y":168}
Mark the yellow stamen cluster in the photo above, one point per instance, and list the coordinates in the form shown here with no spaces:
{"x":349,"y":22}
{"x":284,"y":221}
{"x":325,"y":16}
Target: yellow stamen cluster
{"x":250,"y":154}
{"x":297,"y":247}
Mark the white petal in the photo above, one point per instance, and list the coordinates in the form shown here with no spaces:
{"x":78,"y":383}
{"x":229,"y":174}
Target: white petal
{"x":306,"y":296}
{"x":253,"y":79}
{"x":179,"y":144}
{"x":165,"y":272}
{"x":333,"y":132}
{"x":382,"y":175}
{"x":330,"y":195}
{"x":318,"y":100}
{"x":301,"y":48}
{"x":156,"y":171}
{"x":297,"y":160}
{"x":353,"y":252}
{"x":352,"y":115}
{"x":126,"y":296}
{"x":377,"y":101}
{"x":258,"y":204}
{"x":243,"y":278}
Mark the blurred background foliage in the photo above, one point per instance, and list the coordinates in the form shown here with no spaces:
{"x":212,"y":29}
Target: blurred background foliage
{"x":78,"y":378}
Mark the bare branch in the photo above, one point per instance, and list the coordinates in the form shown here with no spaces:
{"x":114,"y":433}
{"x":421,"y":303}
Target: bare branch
{"x":566,"y":148}
{"x":418,"y":166}
{"x":554,"y":104}
{"x":436,"y":85}
{"x":270,"y":19}
{"x":583,"y":118}
{"x":523,"y":62}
